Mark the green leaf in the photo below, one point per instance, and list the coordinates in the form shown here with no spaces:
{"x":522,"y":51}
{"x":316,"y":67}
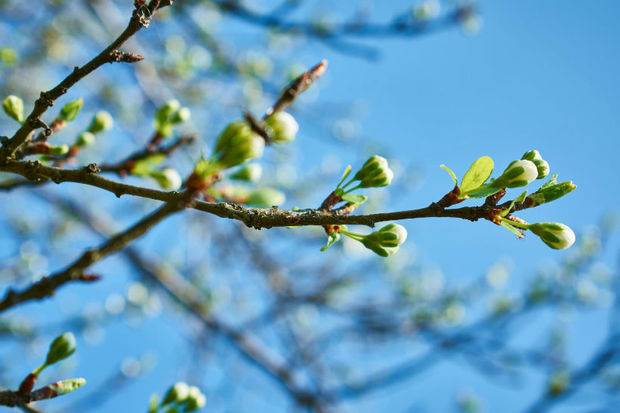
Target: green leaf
{"x":354,"y":199}
{"x":145,"y":166}
{"x":331,"y":240}
{"x":345,"y":174}
{"x":477,"y":174}
{"x":552,"y":181}
{"x":512,"y":229}
{"x":483,"y":191}
{"x":451,"y":173}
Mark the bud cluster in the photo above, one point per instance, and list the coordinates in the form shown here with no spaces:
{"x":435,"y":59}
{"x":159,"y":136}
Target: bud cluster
{"x":384,"y":242}
{"x":180,"y":398}
{"x":375,"y":173}
{"x":168,"y":116}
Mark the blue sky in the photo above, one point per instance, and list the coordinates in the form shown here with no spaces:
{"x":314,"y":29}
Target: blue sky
{"x":540,"y":74}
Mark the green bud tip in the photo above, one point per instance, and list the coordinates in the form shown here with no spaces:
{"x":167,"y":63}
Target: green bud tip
{"x":238,"y":143}
{"x":374,"y":173}
{"x":556,"y":235}
{"x":176,"y":394}
{"x":250,"y":173}
{"x":283,"y":127}
{"x":70,"y":111}
{"x":14,"y":107}
{"x":102,"y":121}
{"x":542,"y":167}
{"x":62,"y":347}
{"x":532,"y":155}
{"x":518,"y":173}
{"x":85,"y":139}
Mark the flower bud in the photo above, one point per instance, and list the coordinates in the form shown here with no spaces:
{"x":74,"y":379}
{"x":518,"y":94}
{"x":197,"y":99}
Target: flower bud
{"x":387,"y":240}
{"x":552,"y":192}
{"x":85,"y":139}
{"x":238,"y":143}
{"x":518,"y":173}
{"x":374,"y":173}
{"x":283,"y":127}
{"x":195,"y":400}
{"x":70,"y":111}
{"x":557,"y":236}
{"x":542,"y":167}
{"x":102,"y":121}
{"x":59,"y":150}
{"x":180,"y":116}
{"x":558,"y":383}
{"x":532,"y":155}
{"x":14,"y":107}
{"x":176,"y":394}
{"x":66,"y":386}
{"x":62,"y":347}
{"x":166,"y":110}
{"x":168,"y":178}
{"x":250,"y":173}
{"x":265,"y":198}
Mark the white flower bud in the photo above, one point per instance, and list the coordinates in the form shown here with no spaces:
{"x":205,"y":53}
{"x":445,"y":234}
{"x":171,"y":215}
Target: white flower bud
{"x":176,"y":394}
{"x":283,"y":127}
{"x":532,"y":155}
{"x":102,"y":121}
{"x":556,"y":235}
{"x":85,"y":139}
{"x":168,"y":178}
{"x":518,"y":173}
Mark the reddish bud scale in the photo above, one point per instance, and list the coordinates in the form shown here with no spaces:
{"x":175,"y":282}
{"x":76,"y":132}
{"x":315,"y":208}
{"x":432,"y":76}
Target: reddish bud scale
{"x":27,"y":384}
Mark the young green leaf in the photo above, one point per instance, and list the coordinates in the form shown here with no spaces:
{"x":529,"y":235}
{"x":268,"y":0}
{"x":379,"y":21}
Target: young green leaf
{"x":345,"y":174}
{"x":451,"y":173}
{"x":354,"y":199}
{"x":504,"y":223}
{"x":331,"y":240}
{"x":477,"y":174}
{"x":483,"y":191}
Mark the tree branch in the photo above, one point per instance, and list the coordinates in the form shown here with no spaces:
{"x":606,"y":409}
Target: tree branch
{"x":140,"y":18}
{"x":75,"y":272}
